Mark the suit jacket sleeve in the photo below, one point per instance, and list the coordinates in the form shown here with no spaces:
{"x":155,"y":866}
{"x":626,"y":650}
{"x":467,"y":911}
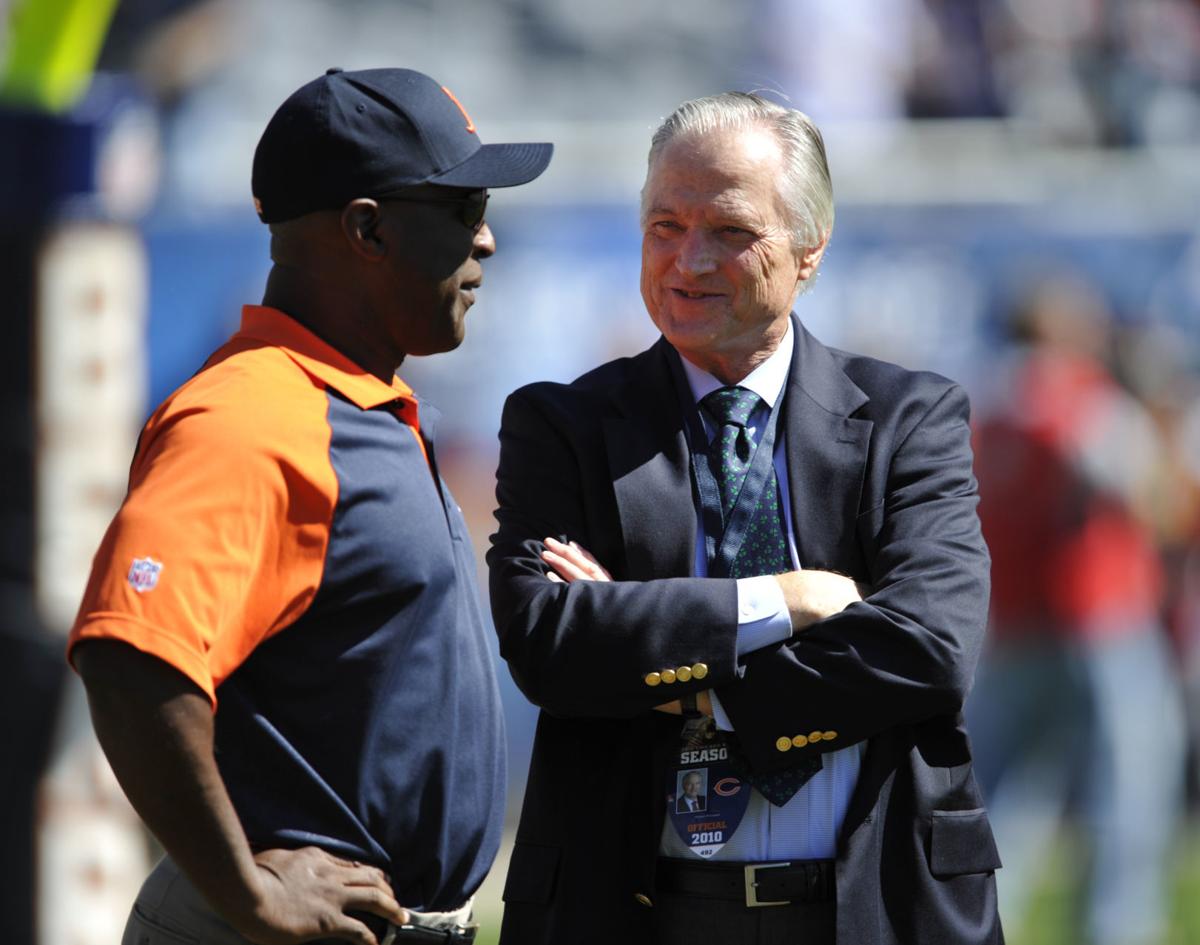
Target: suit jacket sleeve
{"x":908,"y":652}
{"x":585,"y":649}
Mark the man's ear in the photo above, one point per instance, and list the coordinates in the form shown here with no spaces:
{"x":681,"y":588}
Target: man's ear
{"x":810,"y":258}
{"x":361,"y":219}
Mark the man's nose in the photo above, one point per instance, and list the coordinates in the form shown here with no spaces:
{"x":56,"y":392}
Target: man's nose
{"x":484,"y":243}
{"x":696,"y":255}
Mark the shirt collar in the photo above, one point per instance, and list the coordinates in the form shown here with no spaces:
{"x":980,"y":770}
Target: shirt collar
{"x":766,"y":380}
{"x":319,"y":359}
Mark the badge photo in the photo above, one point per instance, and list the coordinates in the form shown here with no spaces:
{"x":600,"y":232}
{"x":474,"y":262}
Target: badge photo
{"x":691,"y":791}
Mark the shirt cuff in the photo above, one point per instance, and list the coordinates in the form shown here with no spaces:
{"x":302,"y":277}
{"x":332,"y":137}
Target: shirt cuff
{"x":763,"y":617}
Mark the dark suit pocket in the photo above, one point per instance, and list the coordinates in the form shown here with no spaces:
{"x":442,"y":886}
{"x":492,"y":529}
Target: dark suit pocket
{"x":531,"y":874}
{"x":961,"y":842}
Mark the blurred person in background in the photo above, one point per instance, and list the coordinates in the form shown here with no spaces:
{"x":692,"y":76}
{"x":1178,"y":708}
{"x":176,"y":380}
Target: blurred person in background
{"x":1075,"y":697}
{"x":1158,"y":363}
{"x":737,"y":478}
{"x":285,"y":657}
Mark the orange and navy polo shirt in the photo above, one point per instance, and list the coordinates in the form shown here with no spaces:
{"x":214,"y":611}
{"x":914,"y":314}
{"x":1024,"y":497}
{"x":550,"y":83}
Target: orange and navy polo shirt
{"x":287,"y":544}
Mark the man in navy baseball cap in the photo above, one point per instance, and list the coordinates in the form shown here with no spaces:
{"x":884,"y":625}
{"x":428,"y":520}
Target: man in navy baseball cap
{"x":285,"y":656}
{"x":372,"y":133}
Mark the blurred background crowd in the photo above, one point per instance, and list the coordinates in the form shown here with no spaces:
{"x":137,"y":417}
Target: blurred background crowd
{"x":1017,"y":187}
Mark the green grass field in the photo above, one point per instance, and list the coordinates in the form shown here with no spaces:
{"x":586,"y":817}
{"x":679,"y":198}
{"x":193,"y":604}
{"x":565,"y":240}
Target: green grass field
{"x":1053,"y":915}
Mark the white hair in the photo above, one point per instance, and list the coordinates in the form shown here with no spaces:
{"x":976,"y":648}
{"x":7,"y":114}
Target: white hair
{"x":805,"y":186}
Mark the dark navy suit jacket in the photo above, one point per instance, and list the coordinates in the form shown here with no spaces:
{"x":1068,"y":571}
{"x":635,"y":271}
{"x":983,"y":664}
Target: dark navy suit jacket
{"x":881,"y":486}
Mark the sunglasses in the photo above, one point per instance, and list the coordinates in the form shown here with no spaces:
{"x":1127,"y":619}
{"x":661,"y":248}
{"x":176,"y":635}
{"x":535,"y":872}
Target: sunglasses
{"x":472,"y":206}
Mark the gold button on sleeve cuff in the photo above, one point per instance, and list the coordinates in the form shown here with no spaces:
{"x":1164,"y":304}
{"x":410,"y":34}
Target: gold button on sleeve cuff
{"x":643,"y":900}
{"x":652,"y":679}
{"x":799,"y":741}
{"x":815,"y":736}
{"x":829,"y":736}
{"x":699,"y":670}
{"x":668,"y":676}
{"x":683,"y":673}
{"x":783,"y":743}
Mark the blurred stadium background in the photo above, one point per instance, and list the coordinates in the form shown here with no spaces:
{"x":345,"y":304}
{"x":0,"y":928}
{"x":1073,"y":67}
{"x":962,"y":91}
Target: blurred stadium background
{"x":1017,"y":188}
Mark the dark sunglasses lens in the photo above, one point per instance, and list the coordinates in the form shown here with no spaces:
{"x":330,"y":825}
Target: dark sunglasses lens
{"x":474,"y":207}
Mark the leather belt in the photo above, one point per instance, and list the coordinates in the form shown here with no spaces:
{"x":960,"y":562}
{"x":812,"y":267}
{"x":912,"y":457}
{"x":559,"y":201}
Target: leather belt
{"x":464,"y":934}
{"x":388,"y":934}
{"x":754,"y":884}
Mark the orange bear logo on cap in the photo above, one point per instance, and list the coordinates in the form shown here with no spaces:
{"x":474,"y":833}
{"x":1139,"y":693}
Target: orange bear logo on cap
{"x":470,"y":124}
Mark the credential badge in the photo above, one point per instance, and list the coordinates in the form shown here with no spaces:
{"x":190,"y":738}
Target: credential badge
{"x":143,"y":574}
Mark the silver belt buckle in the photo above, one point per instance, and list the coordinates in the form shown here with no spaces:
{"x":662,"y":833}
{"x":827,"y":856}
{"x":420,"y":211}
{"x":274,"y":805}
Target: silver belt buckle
{"x":752,"y":900}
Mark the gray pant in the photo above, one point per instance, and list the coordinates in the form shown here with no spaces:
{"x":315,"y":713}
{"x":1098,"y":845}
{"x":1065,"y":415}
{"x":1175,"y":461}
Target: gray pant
{"x":169,"y":910}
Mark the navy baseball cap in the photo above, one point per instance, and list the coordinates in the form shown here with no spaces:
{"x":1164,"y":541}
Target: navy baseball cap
{"x":373,"y":132}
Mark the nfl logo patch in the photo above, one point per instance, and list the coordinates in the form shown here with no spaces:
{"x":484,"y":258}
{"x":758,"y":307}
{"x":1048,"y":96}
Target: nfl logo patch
{"x":143,"y":574}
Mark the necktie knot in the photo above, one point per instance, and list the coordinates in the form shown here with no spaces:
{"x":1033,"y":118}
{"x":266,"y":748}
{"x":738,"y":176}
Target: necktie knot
{"x":730,"y":405}
{"x":730,"y":409}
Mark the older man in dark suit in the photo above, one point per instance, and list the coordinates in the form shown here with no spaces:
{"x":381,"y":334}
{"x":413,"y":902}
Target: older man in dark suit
{"x":745,"y":552}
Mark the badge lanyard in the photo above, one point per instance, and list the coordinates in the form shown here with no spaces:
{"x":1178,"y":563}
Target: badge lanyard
{"x":707,"y":760}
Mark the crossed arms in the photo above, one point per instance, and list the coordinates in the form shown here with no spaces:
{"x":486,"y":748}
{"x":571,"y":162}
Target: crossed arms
{"x":809,"y":596}
{"x":582,"y":646}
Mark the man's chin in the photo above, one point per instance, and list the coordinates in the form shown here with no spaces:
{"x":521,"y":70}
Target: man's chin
{"x":685,"y":332}
{"x":440,"y":344}
{"x":440,"y":348}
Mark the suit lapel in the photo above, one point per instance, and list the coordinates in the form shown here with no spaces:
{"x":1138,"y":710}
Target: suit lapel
{"x":649,"y":465}
{"x":827,"y":455}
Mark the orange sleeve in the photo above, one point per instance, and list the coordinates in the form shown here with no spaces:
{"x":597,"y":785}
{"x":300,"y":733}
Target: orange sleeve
{"x":230,"y":502}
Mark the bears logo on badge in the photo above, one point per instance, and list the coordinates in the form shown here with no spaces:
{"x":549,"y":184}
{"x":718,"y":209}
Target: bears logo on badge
{"x":143,"y":574}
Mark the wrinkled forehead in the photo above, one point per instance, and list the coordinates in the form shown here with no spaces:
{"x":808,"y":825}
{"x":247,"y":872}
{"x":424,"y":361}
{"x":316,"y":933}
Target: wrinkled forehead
{"x":728,"y":171}
{"x":746,"y":151}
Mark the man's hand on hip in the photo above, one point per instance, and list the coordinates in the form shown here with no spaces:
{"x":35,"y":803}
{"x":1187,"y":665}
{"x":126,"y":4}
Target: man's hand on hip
{"x":306,"y":894}
{"x":156,"y":728}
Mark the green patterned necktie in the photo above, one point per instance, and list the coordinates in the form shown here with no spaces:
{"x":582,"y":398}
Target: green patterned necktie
{"x":764,"y":549}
